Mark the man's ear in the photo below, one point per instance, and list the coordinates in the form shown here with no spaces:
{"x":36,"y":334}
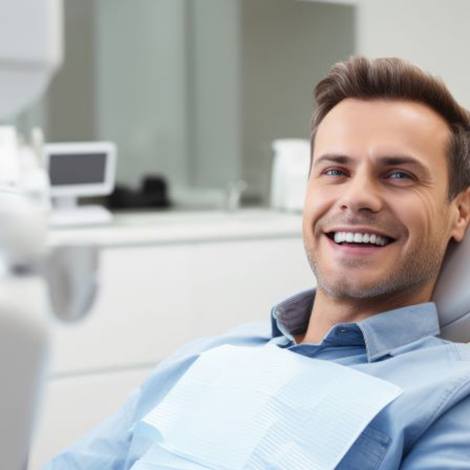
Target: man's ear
{"x":461,"y":205}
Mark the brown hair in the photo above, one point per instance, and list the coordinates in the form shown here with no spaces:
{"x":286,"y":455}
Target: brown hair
{"x":393,"y":78}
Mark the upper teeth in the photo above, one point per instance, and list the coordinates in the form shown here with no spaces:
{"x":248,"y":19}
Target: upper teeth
{"x":355,"y":237}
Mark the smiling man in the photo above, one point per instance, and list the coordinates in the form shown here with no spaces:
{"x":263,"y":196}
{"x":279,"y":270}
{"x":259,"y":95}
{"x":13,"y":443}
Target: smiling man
{"x":384,"y":199}
{"x":388,"y":191}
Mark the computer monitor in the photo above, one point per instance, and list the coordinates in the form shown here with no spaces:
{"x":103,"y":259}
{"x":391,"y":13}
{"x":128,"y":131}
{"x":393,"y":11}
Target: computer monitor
{"x":79,"y":169}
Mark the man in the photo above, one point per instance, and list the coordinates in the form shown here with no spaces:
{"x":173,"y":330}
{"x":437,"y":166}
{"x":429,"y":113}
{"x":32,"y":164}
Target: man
{"x":388,"y":190}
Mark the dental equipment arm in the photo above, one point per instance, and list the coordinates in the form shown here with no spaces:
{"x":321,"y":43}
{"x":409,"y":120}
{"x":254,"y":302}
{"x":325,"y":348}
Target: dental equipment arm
{"x":30,"y":53}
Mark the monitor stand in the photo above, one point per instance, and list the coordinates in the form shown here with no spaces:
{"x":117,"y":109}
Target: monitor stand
{"x":66,"y":212}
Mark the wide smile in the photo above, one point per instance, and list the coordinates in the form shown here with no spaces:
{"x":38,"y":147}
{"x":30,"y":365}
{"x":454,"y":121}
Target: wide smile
{"x":358,"y":242}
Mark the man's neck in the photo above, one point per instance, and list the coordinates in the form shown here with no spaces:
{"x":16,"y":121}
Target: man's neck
{"x":328,"y":311}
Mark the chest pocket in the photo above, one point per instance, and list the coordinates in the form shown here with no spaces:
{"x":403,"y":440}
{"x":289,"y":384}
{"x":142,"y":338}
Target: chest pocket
{"x":367,"y":453}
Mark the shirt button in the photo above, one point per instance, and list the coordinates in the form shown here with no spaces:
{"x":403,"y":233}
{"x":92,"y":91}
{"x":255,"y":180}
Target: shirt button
{"x":343,"y":331}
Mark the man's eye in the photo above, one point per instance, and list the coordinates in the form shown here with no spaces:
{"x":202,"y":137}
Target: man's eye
{"x":398,"y":175}
{"x":333,"y":172}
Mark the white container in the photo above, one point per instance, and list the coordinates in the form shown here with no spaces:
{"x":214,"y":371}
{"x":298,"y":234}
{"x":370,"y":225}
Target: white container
{"x":289,"y":174}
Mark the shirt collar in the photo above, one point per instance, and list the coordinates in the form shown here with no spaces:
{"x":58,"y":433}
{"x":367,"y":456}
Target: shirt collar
{"x":382,"y":333}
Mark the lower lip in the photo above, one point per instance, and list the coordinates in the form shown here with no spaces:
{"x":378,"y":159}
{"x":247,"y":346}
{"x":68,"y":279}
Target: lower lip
{"x":356,"y":250}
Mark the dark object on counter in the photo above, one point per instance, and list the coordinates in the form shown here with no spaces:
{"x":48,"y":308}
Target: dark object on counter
{"x":153,"y":193}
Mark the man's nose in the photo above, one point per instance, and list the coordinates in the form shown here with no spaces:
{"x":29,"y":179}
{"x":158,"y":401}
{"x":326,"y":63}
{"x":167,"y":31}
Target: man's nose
{"x":361,"y":194}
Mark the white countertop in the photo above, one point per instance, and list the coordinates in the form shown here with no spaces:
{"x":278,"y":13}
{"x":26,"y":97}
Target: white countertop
{"x":131,"y":229}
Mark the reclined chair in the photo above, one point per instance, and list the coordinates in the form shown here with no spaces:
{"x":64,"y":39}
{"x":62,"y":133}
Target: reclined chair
{"x":452,"y":292}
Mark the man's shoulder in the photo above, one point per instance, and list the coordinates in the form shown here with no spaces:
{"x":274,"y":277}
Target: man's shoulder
{"x":462,"y":351}
{"x":451,"y":361}
{"x":456,"y":352}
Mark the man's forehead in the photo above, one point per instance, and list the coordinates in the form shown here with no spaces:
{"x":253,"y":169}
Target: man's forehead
{"x":380,"y":126}
{"x":404,"y":110}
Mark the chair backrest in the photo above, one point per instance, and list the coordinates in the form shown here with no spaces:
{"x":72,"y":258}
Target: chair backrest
{"x":452,"y":292}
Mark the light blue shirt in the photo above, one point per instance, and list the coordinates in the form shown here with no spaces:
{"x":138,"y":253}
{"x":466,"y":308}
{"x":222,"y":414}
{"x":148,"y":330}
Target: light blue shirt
{"x":426,"y":427}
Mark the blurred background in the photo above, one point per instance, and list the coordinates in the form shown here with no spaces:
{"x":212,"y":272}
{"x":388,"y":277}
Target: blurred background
{"x":197,"y":90}
{"x":193,"y":90}
{"x":194,"y":93}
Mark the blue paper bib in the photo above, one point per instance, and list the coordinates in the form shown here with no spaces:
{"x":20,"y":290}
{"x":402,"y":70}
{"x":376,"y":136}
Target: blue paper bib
{"x":262,"y":408}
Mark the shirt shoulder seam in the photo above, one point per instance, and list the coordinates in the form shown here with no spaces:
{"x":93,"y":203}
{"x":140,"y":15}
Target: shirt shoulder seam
{"x":458,"y":352}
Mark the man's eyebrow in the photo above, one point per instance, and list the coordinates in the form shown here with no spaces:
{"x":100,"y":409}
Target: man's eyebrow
{"x":388,"y":160}
{"x":333,"y":157}
{"x":396,"y":160}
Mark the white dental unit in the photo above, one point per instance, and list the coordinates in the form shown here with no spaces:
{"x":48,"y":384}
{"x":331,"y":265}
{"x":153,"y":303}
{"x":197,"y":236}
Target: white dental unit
{"x":30,"y":53}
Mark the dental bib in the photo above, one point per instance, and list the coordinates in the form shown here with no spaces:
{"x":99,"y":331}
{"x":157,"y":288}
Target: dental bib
{"x":261,"y":408}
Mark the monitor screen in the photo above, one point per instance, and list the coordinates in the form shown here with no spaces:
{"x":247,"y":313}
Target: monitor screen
{"x":79,"y":168}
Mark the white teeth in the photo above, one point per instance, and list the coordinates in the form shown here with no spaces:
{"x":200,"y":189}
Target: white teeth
{"x":357,"y":237}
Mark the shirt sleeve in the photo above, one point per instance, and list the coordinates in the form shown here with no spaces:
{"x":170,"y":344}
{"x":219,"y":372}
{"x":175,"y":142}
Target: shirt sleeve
{"x":107,"y":446}
{"x":446,"y":444}
{"x":111,"y":445}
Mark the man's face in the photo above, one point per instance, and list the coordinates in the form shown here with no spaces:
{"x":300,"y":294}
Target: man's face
{"x":379,"y":175}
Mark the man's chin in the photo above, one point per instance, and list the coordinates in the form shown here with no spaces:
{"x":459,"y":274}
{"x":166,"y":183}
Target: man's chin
{"x":344,"y":289}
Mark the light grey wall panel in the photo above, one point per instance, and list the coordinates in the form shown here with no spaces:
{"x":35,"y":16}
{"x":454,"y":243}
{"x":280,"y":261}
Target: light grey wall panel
{"x":141,"y":85}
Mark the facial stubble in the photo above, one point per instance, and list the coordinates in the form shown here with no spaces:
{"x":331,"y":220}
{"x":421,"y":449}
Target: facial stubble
{"x":420,"y":266}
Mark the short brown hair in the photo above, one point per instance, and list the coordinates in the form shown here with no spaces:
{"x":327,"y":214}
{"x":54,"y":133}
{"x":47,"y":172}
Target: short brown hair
{"x":394,"y":78}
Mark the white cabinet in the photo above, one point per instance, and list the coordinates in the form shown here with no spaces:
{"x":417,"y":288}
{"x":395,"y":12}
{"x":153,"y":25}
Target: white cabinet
{"x":154,"y":297}
{"x":74,"y":405}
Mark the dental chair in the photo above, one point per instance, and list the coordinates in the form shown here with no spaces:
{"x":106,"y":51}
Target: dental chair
{"x":452,"y":292}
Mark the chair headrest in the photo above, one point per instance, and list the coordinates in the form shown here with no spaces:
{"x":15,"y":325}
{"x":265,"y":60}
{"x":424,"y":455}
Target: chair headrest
{"x":452,"y":292}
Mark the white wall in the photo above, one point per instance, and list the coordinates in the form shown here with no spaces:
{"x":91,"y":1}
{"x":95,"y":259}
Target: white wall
{"x":141,"y":85}
{"x":214,"y":157}
{"x":434,"y":34}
